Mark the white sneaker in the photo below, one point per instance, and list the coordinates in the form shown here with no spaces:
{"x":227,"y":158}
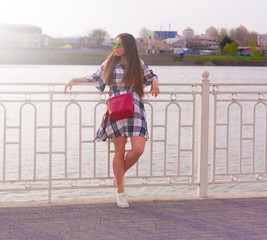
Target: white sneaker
{"x":121,"y":199}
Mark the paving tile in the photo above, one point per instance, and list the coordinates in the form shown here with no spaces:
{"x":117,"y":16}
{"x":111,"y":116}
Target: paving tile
{"x":222,"y":219}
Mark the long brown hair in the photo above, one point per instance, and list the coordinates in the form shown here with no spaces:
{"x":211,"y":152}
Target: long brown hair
{"x":134,"y":71}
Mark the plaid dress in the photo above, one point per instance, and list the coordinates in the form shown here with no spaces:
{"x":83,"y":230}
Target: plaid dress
{"x":128,"y":127}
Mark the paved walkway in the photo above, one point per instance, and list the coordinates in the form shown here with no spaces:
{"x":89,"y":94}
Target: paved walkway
{"x":244,"y":218}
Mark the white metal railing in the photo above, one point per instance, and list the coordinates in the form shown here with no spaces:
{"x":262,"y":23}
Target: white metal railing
{"x":200,"y":134}
{"x":239,"y":152}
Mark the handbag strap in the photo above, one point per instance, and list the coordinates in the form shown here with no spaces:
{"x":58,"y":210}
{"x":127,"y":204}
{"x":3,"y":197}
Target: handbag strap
{"x":106,"y":117}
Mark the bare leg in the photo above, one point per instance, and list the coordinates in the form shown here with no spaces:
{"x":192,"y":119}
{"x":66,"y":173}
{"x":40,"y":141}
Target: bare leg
{"x":138,"y":146}
{"x":118,"y":162}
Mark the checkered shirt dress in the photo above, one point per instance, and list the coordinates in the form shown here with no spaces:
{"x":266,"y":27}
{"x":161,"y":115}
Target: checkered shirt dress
{"x":128,"y":127}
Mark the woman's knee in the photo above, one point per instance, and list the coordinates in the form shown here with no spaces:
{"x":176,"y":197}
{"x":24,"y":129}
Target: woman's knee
{"x":138,"y":150}
{"x":138,"y":145}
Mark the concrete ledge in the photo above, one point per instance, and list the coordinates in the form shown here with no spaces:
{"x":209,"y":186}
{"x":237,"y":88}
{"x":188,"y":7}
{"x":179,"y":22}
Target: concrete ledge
{"x":135,"y":199}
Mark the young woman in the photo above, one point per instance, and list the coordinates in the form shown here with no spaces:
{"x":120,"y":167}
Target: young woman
{"x":123,"y":72}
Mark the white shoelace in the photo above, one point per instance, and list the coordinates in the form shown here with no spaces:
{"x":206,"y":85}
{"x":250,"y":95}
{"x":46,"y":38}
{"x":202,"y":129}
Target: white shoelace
{"x":123,"y":197}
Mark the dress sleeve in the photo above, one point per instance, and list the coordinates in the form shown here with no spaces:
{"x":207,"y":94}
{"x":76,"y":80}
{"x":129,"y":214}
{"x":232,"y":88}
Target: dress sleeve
{"x":149,"y":76}
{"x":98,"y":78}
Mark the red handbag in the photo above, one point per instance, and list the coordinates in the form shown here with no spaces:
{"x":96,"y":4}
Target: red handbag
{"x":120,"y":107}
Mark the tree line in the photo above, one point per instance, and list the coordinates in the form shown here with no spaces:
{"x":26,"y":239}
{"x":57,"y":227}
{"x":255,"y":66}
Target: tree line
{"x":227,"y":40}
{"x":240,"y":34}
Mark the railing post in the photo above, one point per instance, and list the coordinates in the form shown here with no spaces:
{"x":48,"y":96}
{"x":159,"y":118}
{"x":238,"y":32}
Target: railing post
{"x":50,"y":145}
{"x":204,"y":138}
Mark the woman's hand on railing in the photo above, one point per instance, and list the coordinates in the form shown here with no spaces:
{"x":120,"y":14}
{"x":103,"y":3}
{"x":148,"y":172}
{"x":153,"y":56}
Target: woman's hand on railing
{"x":155,"y":88}
{"x":69,"y":85}
{"x":73,"y":81}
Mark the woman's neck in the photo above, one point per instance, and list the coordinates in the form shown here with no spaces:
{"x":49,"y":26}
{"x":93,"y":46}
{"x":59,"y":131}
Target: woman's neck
{"x":122,"y":61}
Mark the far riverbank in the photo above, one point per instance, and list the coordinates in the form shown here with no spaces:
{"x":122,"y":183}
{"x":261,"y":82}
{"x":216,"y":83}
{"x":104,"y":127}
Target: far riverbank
{"x":96,"y":57}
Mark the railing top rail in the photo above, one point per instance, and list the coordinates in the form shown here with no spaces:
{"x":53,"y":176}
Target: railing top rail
{"x":161,"y":84}
{"x":86,"y":84}
{"x":32,"y":83}
{"x":238,"y":84}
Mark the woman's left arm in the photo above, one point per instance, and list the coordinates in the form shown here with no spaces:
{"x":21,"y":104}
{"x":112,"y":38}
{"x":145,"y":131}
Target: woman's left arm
{"x":150,"y":79}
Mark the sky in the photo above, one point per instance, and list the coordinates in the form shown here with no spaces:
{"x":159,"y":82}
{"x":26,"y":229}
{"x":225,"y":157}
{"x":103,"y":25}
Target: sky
{"x":66,"y":18}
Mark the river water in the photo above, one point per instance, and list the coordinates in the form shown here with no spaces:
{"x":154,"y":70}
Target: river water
{"x":166,"y":74}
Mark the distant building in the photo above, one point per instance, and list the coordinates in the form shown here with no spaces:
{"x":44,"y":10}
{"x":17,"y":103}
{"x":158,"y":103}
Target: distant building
{"x":20,"y":36}
{"x":83,"y":42}
{"x":69,"y":40}
{"x":188,"y":33}
{"x":66,"y":42}
{"x":201,"y":42}
{"x":242,"y":28}
{"x":244,"y":51}
{"x":263,"y":40}
{"x":176,"y":42}
{"x":164,"y":34}
{"x":211,"y":33}
{"x":152,"y":46}
{"x":66,"y":46}
{"x":108,"y":42}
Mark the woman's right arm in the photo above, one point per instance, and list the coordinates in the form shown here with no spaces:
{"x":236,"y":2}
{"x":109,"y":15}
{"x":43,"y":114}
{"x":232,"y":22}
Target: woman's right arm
{"x":97,"y":77}
{"x":73,"y":81}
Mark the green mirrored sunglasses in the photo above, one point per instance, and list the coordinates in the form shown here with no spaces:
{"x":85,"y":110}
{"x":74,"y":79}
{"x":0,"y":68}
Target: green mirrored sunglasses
{"x":117,"y":45}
